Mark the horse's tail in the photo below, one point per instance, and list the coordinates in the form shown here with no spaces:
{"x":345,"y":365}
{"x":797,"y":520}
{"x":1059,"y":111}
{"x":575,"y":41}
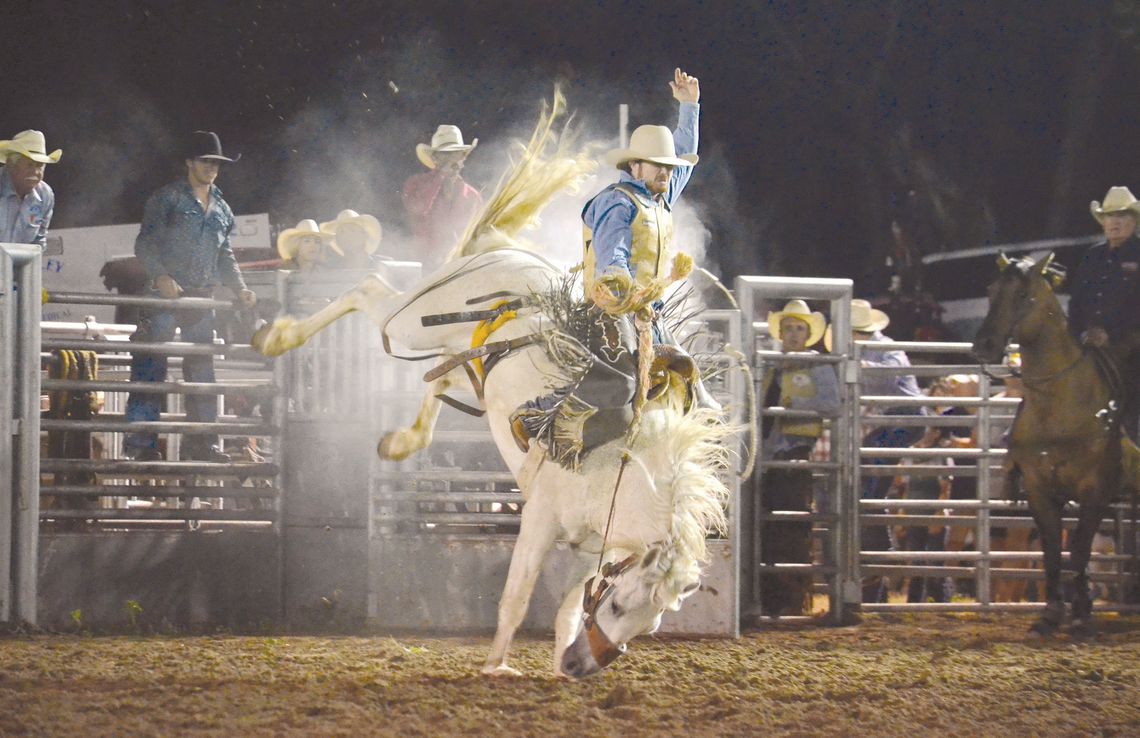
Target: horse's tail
{"x":543,"y":168}
{"x":1129,"y":464}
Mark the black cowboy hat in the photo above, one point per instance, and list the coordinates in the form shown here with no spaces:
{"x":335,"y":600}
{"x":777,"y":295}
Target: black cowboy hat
{"x":205,"y":145}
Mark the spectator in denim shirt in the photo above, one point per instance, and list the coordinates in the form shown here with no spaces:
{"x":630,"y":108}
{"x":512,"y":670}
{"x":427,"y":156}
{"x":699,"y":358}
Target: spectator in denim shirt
{"x":184,"y":246}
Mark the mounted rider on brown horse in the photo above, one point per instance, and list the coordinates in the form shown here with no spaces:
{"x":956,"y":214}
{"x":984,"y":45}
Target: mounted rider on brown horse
{"x":1066,"y":442}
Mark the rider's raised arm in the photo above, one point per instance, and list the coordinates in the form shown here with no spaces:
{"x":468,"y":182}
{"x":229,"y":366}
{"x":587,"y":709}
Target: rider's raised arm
{"x":687,"y":92}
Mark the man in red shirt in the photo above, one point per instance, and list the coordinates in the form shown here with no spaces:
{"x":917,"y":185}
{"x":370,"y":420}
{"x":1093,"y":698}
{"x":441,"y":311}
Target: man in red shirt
{"x":438,"y":203}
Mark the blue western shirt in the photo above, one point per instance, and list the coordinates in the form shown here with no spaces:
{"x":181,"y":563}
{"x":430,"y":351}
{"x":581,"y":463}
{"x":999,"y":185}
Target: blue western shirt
{"x":191,"y":245}
{"x":610,"y":214}
{"x":900,"y":385}
{"x":25,"y":220}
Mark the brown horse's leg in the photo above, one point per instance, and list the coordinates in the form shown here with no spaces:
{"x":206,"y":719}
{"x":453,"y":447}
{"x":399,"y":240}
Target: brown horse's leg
{"x":1047,"y":515}
{"x":1080,"y":548}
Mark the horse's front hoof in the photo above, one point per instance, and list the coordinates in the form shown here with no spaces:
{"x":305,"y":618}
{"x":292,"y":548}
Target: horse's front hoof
{"x":393,"y":447}
{"x":1042,"y":629}
{"x":501,"y":670}
{"x":260,"y":339}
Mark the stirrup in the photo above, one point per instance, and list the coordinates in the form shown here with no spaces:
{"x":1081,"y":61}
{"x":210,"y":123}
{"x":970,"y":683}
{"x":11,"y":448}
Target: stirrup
{"x":519,"y":430}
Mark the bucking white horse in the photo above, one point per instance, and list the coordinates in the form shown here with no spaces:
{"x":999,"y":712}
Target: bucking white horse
{"x":659,"y":505}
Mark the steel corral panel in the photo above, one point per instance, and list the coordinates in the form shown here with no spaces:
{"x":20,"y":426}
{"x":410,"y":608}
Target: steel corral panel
{"x":452,"y":584}
{"x":326,"y":578}
{"x":179,"y":580}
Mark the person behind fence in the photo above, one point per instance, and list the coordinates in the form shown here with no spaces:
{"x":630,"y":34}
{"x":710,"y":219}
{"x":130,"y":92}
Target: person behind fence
{"x":305,"y":248}
{"x":353,"y":238}
{"x":184,"y":245}
{"x":802,"y":385}
{"x":627,"y":262}
{"x":1104,"y":294}
{"x":867,"y":324}
{"x":438,"y":203}
{"x":27,"y":202}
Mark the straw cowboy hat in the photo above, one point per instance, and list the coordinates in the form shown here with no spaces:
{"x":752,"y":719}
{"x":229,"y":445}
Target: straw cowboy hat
{"x":445,"y":138}
{"x":205,"y":145}
{"x":32,"y":145}
{"x":867,"y":319}
{"x":370,"y":225}
{"x":864,"y":319}
{"x":1118,"y":200}
{"x":798,"y":309}
{"x":653,"y":144}
{"x":289,"y":240}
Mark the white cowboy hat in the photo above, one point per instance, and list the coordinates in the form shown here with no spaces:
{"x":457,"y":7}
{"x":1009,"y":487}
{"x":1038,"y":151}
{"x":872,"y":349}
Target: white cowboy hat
{"x":369,"y":223}
{"x":32,"y":145}
{"x":798,"y":309}
{"x":445,"y":138}
{"x":864,"y":319}
{"x":867,"y":319}
{"x":289,"y":240}
{"x":1118,"y":200}
{"x":653,"y":144}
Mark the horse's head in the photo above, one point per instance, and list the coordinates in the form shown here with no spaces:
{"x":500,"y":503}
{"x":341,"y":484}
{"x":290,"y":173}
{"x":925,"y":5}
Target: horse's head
{"x":1019,"y":302}
{"x":628,"y":601}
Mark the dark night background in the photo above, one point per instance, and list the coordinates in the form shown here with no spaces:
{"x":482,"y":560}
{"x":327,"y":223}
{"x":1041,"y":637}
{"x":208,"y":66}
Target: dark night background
{"x":823,"y":123}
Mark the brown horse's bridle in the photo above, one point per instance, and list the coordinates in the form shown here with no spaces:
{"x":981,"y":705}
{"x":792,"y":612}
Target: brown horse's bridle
{"x":602,"y":649}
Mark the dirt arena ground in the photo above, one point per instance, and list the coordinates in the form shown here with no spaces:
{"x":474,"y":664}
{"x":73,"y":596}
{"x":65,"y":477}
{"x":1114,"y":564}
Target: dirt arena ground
{"x":912,"y":675}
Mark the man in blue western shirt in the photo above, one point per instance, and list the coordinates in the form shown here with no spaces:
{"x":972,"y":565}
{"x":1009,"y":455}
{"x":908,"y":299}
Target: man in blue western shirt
{"x":184,"y":247}
{"x":26,"y":200}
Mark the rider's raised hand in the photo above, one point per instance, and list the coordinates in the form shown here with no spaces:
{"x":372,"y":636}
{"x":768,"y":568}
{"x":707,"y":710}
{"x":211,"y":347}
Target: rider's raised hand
{"x":685,"y":88}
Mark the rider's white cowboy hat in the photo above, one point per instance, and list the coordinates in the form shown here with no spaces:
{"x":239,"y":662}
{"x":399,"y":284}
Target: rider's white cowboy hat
{"x":1118,"y":200}
{"x":445,"y":138}
{"x":289,"y":240}
{"x":653,"y":144}
{"x":799,"y":310}
{"x":32,"y":145}
{"x":369,"y":223}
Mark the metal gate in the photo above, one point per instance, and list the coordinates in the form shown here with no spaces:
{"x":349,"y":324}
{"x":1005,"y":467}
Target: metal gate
{"x":20,"y":281}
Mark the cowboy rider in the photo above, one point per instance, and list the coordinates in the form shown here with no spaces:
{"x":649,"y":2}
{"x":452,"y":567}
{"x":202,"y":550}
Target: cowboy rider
{"x":1104,"y":303}
{"x":627,"y":263}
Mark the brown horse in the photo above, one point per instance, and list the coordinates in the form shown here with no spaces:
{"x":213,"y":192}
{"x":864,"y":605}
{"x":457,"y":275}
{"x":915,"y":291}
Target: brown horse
{"x":1065,"y":444}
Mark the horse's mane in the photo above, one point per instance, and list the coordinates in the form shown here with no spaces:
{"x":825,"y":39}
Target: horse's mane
{"x":544,"y":167}
{"x":692,"y":448}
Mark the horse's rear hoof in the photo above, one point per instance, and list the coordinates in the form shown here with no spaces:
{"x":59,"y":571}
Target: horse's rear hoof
{"x":1042,"y":629}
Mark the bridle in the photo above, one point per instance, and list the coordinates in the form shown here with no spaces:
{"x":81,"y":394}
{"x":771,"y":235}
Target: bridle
{"x":1034,"y":383}
{"x":602,"y":649}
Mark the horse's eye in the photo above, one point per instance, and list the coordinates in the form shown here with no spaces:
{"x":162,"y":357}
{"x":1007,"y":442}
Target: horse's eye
{"x":614,"y":608}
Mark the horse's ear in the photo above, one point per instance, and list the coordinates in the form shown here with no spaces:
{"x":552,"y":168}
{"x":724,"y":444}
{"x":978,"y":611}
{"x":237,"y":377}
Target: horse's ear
{"x":1042,"y":265}
{"x":650,"y":557}
{"x":1002,"y":262}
